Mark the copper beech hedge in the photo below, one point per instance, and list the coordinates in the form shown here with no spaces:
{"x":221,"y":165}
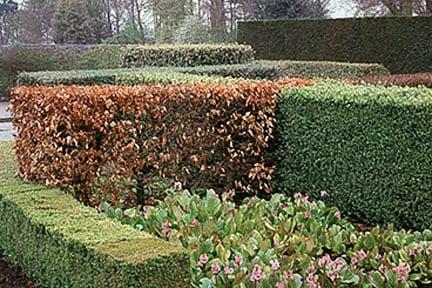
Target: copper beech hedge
{"x":203,"y":135}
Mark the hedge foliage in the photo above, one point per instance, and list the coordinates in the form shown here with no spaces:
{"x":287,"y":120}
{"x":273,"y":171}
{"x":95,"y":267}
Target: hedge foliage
{"x":368,"y":147}
{"x":405,"y":80}
{"x":402,"y":44}
{"x":275,"y":69}
{"x":60,"y":243}
{"x":16,"y":59}
{"x":187,"y":55}
{"x":124,"y":76}
{"x":203,"y":135}
{"x":256,"y":70}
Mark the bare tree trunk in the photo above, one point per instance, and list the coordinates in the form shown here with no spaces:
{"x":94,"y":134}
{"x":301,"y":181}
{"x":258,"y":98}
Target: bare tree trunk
{"x":407,"y":8}
{"x":429,"y":7}
{"x":139,"y":20}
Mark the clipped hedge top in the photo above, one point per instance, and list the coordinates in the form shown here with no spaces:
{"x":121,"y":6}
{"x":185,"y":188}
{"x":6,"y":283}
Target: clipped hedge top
{"x":62,"y":215}
{"x":123,"y":76}
{"x":363,"y":94}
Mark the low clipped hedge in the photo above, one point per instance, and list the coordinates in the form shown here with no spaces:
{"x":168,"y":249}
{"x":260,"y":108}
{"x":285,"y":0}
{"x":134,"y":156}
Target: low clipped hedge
{"x":60,"y":243}
{"x":405,"y":80}
{"x":276,"y":69}
{"x":16,"y":59}
{"x":124,"y":76}
{"x":368,"y":147}
{"x":187,"y":55}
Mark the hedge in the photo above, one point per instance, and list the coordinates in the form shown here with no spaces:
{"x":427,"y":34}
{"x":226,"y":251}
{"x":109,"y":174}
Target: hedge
{"x":16,"y":59}
{"x":124,"y":76}
{"x":61,"y":243}
{"x":402,"y":44}
{"x":368,"y":147}
{"x":405,"y":80}
{"x":276,"y":69}
{"x":255,"y":70}
{"x":203,"y":135}
{"x":187,"y":55}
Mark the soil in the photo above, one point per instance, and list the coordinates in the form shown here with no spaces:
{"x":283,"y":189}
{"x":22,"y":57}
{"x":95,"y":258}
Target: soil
{"x":12,"y":277}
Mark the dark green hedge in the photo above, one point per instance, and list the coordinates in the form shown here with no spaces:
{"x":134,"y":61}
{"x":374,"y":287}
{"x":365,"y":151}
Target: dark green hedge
{"x":187,"y":55}
{"x":16,"y":59}
{"x":276,"y":69}
{"x":402,"y":44}
{"x":368,"y":147}
{"x":60,"y":243}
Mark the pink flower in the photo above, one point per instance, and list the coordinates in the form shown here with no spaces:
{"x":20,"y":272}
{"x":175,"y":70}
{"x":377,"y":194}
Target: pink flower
{"x":307,"y":214}
{"x":382,"y":268}
{"x":301,"y":226}
{"x":238,"y":260}
{"x":361,"y":255}
{"x":338,"y":215}
{"x":287,"y":275}
{"x":257,"y":274}
{"x":334,"y":276}
{"x":312,"y":281}
{"x":301,"y":198}
{"x":228,"y":271}
{"x":274,"y":265}
{"x":178,"y":186}
{"x":166,"y":229}
{"x":280,"y":285}
{"x":194,"y":223}
{"x":310,"y":269}
{"x":215,"y":268}
{"x":414,"y":251}
{"x":324,"y":261}
{"x":378,"y":257}
{"x":314,"y":205}
{"x":323,"y":193}
{"x":231,"y":193}
{"x":402,"y":271}
{"x":339,"y":263}
{"x":203,"y":259}
{"x":429,"y":249}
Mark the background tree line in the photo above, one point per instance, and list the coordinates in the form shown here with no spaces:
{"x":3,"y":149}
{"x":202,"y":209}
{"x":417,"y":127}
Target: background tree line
{"x":146,"y":21}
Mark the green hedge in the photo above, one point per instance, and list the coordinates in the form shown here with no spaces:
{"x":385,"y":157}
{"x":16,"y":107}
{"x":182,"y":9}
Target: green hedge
{"x":402,"y":44}
{"x":60,"y":243}
{"x":276,"y":69}
{"x":117,"y":76}
{"x":16,"y":59}
{"x":368,"y":147}
{"x":187,"y":55}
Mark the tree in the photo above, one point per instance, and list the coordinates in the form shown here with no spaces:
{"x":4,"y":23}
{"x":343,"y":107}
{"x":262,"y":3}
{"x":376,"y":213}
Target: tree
{"x":192,"y":31}
{"x":394,"y":7}
{"x":291,"y":9}
{"x":7,"y":7}
{"x":79,"y":22}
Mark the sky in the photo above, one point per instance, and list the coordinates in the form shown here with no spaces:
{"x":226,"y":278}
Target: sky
{"x":341,"y":8}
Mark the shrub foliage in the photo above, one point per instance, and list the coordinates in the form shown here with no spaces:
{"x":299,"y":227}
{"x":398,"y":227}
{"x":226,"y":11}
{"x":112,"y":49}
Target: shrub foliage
{"x":187,"y":55}
{"x":402,"y":44}
{"x":283,"y":242}
{"x":60,"y":243}
{"x":368,"y":147}
{"x":16,"y":59}
{"x":405,"y":80}
{"x":203,"y":135}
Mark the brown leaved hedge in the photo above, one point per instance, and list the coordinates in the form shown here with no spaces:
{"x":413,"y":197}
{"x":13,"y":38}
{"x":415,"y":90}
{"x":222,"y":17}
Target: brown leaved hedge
{"x":405,"y":80}
{"x":203,"y":135}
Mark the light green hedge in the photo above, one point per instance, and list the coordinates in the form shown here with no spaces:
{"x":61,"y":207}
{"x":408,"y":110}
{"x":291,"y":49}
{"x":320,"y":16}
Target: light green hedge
{"x":60,"y":243}
{"x":368,"y":147}
{"x":263,"y":69}
{"x":133,"y":76}
{"x":187,"y":55}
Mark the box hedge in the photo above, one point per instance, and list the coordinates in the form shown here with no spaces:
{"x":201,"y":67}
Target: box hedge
{"x":16,"y":59}
{"x":61,"y":243}
{"x":405,"y":80}
{"x":277,"y":69}
{"x":402,"y":44}
{"x":368,"y":147}
{"x":187,"y":55}
{"x":123,"y":76}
